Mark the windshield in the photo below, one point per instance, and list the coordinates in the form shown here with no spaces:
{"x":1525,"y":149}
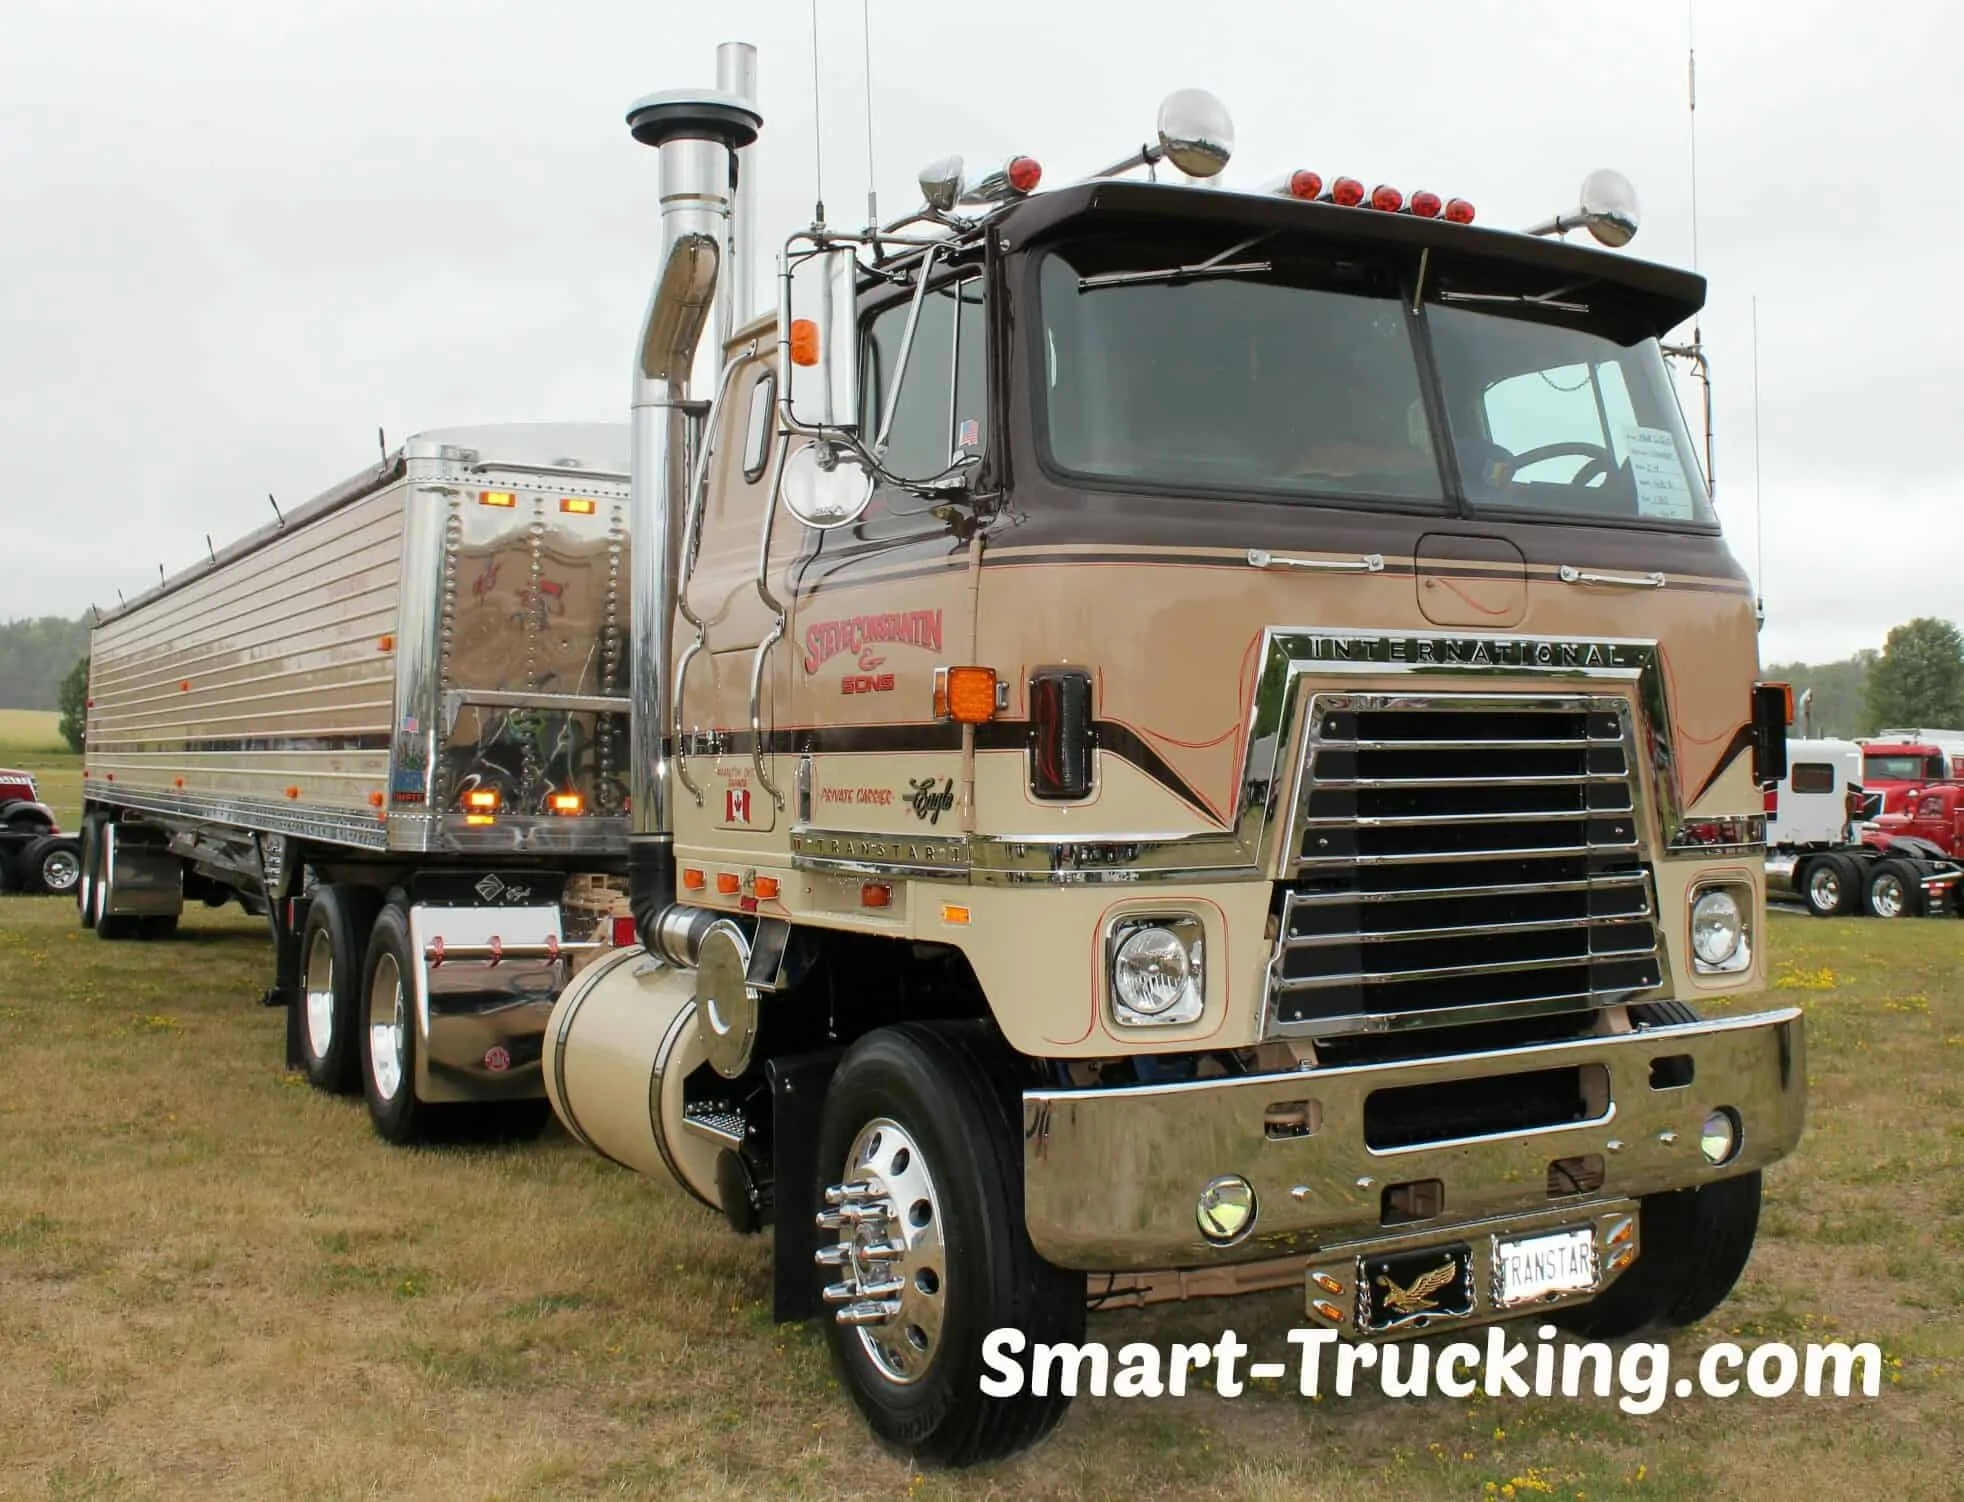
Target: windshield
{"x":1271,"y":367}
{"x":1304,"y":385}
{"x":1900,"y":768}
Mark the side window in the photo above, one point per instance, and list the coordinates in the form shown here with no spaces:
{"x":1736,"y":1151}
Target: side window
{"x":1933,"y":808}
{"x":1813,"y":777}
{"x":757,"y":435}
{"x":941,"y":412}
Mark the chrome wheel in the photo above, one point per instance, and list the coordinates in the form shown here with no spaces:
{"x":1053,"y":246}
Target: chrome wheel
{"x":320,"y":993}
{"x":60,"y":871}
{"x":887,"y":1221}
{"x":1824,"y":888}
{"x":1887,"y":896}
{"x":386,"y":1020}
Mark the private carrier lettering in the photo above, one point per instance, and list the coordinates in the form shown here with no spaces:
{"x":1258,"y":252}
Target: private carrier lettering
{"x":861,"y":633}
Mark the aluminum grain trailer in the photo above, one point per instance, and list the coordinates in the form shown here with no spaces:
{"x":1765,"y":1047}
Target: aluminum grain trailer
{"x":394,"y":720}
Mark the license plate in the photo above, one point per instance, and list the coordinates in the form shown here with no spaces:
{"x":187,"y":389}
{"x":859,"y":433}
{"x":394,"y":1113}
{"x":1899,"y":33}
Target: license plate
{"x":1535,"y":1267}
{"x":1414,"y":1288}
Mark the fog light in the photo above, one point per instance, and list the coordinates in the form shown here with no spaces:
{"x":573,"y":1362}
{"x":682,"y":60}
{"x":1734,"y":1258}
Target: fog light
{"x":1719,"y":1138}
{"x":1718,"y":931}
{"x":1227,"y":1209}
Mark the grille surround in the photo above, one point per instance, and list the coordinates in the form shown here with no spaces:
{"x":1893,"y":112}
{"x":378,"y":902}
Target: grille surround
{"x":1463,"y":858}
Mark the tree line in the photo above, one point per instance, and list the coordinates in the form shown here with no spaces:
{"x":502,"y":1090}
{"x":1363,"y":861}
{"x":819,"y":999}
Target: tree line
{"x":1916,"y":679}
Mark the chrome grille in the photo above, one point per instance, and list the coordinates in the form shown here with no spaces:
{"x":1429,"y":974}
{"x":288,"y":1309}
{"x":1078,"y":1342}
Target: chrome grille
{"x":1461,"y":858}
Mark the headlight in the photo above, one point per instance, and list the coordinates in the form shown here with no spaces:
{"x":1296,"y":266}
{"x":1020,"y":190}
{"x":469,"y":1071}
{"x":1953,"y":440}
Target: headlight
{"x":1718,"y":932}
{"x":1156,"y":971}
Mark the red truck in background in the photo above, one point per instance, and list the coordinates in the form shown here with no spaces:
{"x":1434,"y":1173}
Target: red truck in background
{"x":1935,"y":815}
{"x":1899,"y":763}
{"x":35,"y":856}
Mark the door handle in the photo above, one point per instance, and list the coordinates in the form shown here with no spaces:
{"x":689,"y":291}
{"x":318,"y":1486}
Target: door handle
{"x":1568,"y":573}
{"x":1369,"y":563}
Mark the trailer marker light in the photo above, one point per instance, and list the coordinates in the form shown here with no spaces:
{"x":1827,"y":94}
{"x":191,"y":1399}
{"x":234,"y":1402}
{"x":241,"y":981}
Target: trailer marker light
{"x":1347,"y":191}
{"x":177,"y":782}
{"x":1305,"y":184}
{"x":727,"y":883}
{"x":692,"y":879}
{"x":966,"y":695}
{"x":1427,"y":204}
{"x":876,"y":894}
{"x":184,"y":687}
{"x":479,"y":820}
{"x":375,"y":799}
{"x":623,"y":931}
{"x":1459,"y":211}
{"x":567,"y":803}
{"x":1387,"y":199}
{"x":576,"y":506}
{"x":766,"y":887}
{"x":484,"y":800}
{"x":496,"y":498}
{"x":293,"y":792}
{"x":1024,"y":173}
{"x":804,"y":342}
{"x":385,"y":644}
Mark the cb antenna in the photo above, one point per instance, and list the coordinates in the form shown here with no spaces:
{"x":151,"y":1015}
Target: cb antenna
{"x":818,"y":133}
{"x":1759,"y":509}
{"x":866,"y":43}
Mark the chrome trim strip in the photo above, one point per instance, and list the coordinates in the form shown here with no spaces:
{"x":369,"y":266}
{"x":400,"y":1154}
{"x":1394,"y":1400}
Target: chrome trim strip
{"x":1608,"y":882}
{"x":1287,"y":987}
{"x":1401,"y":935}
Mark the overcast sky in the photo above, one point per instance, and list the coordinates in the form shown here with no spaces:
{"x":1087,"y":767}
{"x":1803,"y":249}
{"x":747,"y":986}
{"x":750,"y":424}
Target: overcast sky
{"x":236,"y":238}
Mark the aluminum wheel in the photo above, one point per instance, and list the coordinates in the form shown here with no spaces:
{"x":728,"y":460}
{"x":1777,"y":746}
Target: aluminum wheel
{"x":320,"y":993}
{"x":385,"y":1002}
{"x":1824,"y":888}
{"x":1888,"y":897}
{"x":60,"y":870}
{"x":887,"y":1219}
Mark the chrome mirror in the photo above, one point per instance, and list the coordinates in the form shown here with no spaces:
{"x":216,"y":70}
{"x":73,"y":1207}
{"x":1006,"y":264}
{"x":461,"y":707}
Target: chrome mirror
{"x":1195,"y":133}
{"x":942,"y":183}
{"x":1608,"y":210}
{"x":821,"y":340}
{"x":1609,"y":206}
{"x":824,"y":485}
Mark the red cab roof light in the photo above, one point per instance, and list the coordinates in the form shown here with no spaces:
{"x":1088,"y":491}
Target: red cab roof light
{"x":1426,"y":204}
{"x":1305,"y":184}
{"x":1459,"y":211}
{"x":1387,"y":199}
{"x":1347,"y":191}
{"x":1024,"y":173}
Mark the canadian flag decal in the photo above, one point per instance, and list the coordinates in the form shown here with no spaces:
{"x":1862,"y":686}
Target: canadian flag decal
{"x":736,"y":805}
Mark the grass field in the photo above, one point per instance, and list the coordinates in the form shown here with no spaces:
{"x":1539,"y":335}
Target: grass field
{"x":217,"y":1283}
{"x":29,"y":740}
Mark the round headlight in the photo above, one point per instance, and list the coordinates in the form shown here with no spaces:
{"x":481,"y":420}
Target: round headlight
{"x":1152,"y":970}
{"x":1718,"y":1139}
{"x":1717,"y":926}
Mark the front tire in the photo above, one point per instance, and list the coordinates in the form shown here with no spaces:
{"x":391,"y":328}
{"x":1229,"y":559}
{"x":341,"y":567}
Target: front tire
{"x":333,"y":949}
{"x":1829,"y":886}
{"x":920,"y":1158}
{"x":387,"y":1036}
{"x":1695,"y":1243}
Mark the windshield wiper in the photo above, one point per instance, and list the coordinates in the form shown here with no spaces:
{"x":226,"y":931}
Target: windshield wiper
{"x":1218,"y":265}
{"x":1533,"y":300}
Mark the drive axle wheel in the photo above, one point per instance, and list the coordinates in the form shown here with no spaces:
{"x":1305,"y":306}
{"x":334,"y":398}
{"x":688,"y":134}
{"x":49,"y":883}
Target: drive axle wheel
{"x":922,"y":1246}
{"x":1828,"y":885}
{"x":1894,"y":891}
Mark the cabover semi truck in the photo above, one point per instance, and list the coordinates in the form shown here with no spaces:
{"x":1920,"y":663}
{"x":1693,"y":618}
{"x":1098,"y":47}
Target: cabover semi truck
{"x":395,"y":720}
{"x":1186,"y":741}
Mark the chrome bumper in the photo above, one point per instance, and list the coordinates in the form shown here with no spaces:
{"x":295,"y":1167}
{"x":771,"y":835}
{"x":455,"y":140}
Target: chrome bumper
{"x":1112,"y":1177}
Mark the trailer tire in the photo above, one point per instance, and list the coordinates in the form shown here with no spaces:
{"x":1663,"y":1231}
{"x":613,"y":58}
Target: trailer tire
{"x":1893,"y":890}
{"x":88,"y":891}
{"x":110,"y":927}
{"x":1831,"y":885}
{"x":387,"y":1031}
{"x":333,"y":956}
{"x":927,"y":1113}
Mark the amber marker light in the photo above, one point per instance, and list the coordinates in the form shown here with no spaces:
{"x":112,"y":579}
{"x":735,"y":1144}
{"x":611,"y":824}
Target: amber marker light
{"x":576,"y":506}
{"x":728,"y":883}
{"x":566,"y":803}
{"x":496,"y":498}
{"x":950,"y":913}
{"x":482,"y":800}
{"x":966,"y":695}
{"x":804,"y":342}
{"x":692,"y":879}
{"x":766,"y":888}
{"x":876,"y":894}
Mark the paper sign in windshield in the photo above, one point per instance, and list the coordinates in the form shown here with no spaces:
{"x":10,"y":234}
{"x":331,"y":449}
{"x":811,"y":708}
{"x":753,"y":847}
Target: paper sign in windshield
{"x":1662,"y":490}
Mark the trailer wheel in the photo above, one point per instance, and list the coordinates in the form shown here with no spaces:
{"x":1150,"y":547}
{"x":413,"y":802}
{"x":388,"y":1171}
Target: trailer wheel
{"x":922,"y":1244}
{"x":333,"y":947}
{"x":1894,"y":891}
{"x":109,"y":926}
{"x":88,"y":891}
{"x":387,"y":1036}
{"x":1830,"y":885}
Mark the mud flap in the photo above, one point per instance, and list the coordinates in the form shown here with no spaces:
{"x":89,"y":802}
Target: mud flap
{"x":797,"y":1095}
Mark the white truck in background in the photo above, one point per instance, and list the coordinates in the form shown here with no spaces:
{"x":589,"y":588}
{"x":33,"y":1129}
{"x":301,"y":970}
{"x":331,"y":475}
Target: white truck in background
{"x":1820,"y":851}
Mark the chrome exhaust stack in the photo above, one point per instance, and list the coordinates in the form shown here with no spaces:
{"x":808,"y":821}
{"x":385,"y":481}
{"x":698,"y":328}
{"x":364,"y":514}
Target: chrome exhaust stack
{"x":700,"y":135}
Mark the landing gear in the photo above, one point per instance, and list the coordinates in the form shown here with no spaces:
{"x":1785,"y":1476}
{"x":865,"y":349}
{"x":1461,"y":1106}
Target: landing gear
{"x":920,"y":1157}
